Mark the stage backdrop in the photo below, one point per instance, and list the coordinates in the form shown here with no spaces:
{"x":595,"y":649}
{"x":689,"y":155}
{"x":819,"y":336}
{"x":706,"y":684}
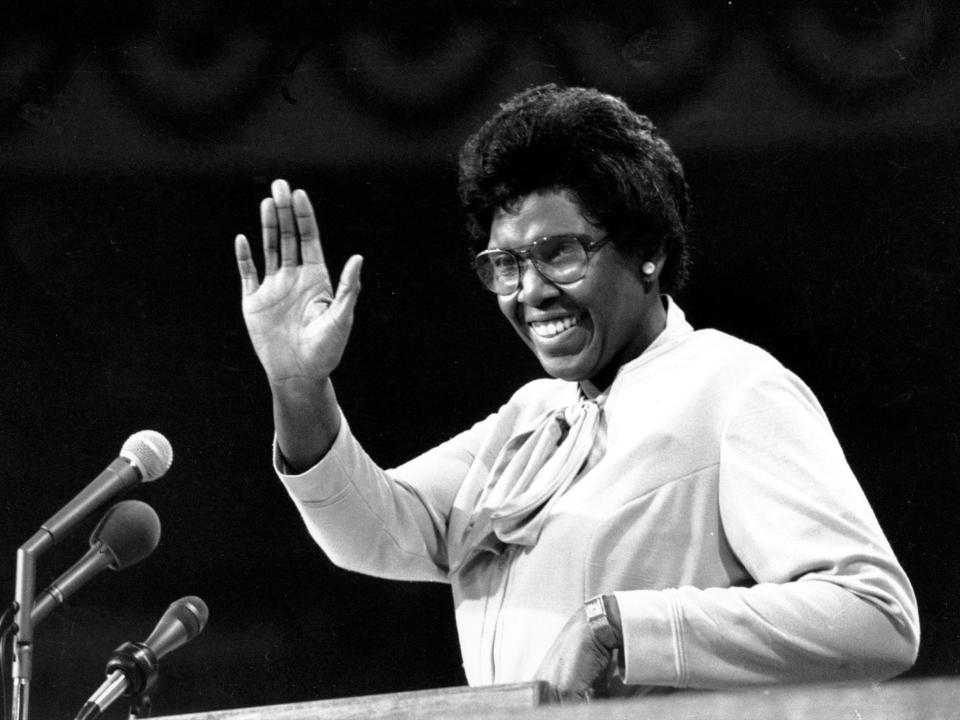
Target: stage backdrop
{"x":136,"y":139}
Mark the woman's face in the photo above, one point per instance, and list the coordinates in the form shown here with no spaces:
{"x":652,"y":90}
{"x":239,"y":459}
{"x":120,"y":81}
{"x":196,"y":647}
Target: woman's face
{"x":587,"y":329}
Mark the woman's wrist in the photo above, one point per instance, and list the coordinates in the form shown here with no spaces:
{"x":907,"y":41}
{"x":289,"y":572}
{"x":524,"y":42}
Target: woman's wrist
{"x":307,"y":420}
{"x":613,"y":614}
{"x":603,"y":618}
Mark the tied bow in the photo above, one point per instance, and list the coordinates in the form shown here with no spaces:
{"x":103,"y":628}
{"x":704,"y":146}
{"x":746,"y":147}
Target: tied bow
{"x":531,"y":472}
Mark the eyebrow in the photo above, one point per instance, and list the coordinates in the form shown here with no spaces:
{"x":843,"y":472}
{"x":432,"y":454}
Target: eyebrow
{"x":541,"y":238}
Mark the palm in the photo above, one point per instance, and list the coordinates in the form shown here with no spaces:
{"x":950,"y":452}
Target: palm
{"x":298,"y":327}
{"x":290,"y":326}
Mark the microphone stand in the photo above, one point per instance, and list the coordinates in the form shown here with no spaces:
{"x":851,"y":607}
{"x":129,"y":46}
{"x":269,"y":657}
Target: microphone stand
{"x":23,"y":640}
{"x":131,"y":670}
{"x":141,"y":708}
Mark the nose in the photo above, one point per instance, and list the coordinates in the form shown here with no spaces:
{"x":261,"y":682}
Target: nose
{"x":534,"y":287}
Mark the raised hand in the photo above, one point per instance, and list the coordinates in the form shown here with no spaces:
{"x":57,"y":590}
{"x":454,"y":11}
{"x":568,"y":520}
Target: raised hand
{"x":298,"y":326}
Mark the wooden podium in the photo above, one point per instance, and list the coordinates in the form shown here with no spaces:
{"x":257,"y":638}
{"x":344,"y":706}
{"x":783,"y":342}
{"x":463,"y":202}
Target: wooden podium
{"x":927,"y":699}
{"x":455,"y":702}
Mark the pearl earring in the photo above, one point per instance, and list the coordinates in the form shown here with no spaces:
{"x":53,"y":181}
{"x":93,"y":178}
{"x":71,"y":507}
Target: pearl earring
{"x":647,"y":268}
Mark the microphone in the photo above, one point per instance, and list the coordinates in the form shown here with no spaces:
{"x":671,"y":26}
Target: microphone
{"x":132,"y":668}
{"x":145,"y":456}
{"x":126,"y":534}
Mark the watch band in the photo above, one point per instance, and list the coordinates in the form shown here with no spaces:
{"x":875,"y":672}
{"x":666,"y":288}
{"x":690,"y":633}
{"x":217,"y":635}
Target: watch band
{"x":599,"y":623}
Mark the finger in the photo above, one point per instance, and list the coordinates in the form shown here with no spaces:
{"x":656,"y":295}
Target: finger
{"x":289,"y":252}
{"x":248,"y":270}
{"x":348,"y":290}
{"x":553,"y":694}
{"x":268,"y":226}
{"x":310,"y":249}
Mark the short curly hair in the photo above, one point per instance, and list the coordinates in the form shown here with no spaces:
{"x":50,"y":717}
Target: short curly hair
{"x":622,"y":174}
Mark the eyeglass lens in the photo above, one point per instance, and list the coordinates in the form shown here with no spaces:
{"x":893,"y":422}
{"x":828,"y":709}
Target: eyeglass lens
{"x":561,"y":259}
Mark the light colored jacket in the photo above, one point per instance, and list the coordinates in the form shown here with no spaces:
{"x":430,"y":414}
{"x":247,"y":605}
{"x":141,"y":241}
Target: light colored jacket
{"x":717,"y":505}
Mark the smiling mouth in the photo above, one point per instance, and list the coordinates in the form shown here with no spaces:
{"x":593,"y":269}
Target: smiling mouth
{"x":551,"y":328}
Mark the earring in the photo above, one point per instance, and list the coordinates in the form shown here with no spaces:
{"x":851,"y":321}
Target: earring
{"x":648,"y":268}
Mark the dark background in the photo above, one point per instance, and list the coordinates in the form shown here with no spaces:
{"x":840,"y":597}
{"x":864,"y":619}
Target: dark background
{"x":821,"y":142}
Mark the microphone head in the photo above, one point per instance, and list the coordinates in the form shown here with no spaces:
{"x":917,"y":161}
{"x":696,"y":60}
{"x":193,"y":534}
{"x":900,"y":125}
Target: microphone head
{"x":150,"y":452}
{"x":129,"y":531}
{"x":181,"y":622}
{"x":192,"y":612}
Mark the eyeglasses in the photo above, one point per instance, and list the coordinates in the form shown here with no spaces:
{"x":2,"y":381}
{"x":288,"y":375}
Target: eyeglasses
{"x":558,"y":258}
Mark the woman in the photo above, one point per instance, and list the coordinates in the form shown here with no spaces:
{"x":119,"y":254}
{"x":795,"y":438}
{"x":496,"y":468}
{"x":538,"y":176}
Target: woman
{"x":669,"y":509}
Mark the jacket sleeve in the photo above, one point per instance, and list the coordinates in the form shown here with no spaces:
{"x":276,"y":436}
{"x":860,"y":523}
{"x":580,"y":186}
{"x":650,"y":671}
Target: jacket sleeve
{"x":387,"y":523}
{"x":830,"y":601}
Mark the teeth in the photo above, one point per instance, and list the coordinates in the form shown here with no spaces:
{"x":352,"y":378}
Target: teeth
{"x":552,"y":328}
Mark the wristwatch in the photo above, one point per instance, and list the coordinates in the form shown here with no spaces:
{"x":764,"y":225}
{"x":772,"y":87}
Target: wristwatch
{"x":599,"y":623}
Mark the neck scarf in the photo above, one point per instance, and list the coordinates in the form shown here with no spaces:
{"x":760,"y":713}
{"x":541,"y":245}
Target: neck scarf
{"x":537,"y":466}
{"x":531,"y":472}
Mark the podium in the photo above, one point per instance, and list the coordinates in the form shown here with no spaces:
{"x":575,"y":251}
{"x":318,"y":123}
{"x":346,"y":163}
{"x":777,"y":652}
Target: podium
{"x":455,"y":702}
{"x":921,"y":699}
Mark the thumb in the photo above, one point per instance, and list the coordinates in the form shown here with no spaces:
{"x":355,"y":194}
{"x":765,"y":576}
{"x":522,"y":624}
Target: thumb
{"x":348,"y":290}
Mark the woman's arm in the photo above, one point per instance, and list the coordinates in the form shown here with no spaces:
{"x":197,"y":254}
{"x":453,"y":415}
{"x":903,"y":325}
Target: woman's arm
{"x":830,"y":602}
{"x":298,"y":326}
{"x":387,"y":523}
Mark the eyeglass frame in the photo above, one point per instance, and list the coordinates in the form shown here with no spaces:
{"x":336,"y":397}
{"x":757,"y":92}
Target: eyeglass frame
{"x":589,"y":245}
